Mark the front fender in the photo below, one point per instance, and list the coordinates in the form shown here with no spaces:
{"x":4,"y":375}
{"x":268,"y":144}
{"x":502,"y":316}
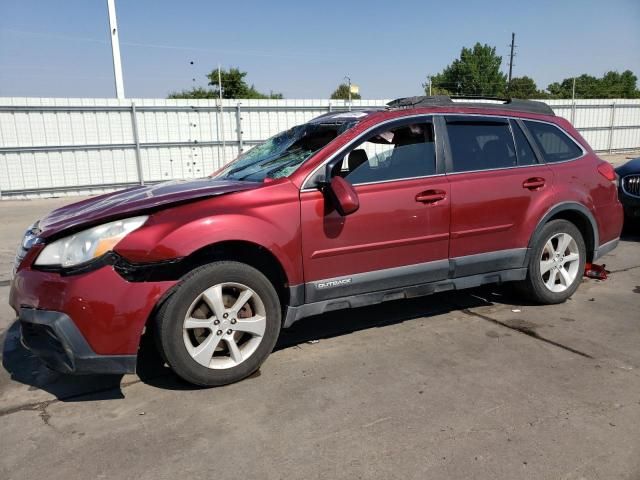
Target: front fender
{"x":268,"y":217}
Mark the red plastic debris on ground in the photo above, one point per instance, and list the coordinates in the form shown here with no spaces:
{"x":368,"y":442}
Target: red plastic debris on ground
{"x":591,"y":270}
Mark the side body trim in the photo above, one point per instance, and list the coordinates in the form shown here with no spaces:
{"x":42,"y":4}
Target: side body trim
{"x":439,"y":274}
{"x":605,"y":248}
{"x":488,"y":262}
{"x":360,"y":283}
{"x":294,"y":314}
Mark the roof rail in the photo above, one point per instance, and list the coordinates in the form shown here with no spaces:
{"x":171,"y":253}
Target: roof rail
{"x":514,"y":104}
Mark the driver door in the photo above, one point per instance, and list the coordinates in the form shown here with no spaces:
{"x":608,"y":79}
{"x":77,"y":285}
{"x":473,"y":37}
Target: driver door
{"x":400,"y":234}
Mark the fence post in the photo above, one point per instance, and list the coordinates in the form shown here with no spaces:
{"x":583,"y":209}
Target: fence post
{"x":330,"y":106}
{"x":611,"y":127}
{"x":136,"y":140}
{"x":239,"y":129}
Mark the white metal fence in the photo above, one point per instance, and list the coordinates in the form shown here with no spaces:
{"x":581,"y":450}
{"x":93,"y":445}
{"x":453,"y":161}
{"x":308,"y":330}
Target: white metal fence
{"x":81,"y":146}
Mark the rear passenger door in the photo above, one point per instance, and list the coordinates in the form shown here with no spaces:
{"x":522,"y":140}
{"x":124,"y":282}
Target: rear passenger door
{"x":496,"y":182}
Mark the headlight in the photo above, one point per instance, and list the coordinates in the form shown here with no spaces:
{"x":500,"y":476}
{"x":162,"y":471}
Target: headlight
{"x":88,"y":244}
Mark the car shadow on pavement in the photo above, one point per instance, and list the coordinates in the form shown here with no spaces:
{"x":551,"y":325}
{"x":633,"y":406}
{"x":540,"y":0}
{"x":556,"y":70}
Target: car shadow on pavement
{"x":29,"y":370}
{"x":152,"y":370}
{"x":344,"y":322}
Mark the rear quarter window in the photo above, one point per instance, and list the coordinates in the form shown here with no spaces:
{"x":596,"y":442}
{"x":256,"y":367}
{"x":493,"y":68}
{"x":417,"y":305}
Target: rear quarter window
{"x":553,"y":143}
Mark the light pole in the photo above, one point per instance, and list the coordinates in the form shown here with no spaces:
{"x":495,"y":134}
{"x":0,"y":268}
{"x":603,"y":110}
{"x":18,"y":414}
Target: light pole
{"x":348,"y":79}
{"x":224,"y":146}
{"x":115,"y":49}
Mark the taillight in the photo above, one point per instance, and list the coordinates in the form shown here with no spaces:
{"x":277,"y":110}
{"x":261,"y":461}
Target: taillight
{"x":607,"y":171}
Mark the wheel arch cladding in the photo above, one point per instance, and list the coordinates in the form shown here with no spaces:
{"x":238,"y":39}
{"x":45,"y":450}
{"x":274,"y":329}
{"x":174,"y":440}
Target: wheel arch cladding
{"x":580,"y":216}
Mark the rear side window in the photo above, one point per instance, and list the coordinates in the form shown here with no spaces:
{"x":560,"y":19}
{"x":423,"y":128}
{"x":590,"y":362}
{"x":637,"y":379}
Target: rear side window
{"x":480,"y":144}
{"x":553,"y":143}
{"x":525,"y":153}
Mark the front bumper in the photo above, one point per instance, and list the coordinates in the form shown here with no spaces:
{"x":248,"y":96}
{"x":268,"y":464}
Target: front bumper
{"x":55,"y":339}
{"x":91,"y":314}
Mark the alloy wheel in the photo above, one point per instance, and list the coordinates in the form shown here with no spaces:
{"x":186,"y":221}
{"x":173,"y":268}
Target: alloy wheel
{"x":224,"y":325}
{"x":559,"y":262}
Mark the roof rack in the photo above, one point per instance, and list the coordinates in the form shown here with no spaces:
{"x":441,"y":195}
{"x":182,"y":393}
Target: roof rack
{"x":514,"y":104}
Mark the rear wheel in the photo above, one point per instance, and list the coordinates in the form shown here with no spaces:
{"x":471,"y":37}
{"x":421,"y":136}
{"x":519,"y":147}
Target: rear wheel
{"x":220,"y":324}
{"x":556,"y":263}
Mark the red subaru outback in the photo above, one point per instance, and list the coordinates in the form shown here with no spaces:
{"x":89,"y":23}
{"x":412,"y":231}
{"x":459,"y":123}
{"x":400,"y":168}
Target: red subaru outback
{"x":349,"y":209}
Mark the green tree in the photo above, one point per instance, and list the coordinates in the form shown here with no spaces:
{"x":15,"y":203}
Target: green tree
{"x":619,"y":85}
{"x":197,"y":92}
{"x":476,"y":72}
{"x":587,"y":86}
{"x":233,"y":86}
{"x":524,"y":87}
{"x":342,"y":93}
{"x":610,"y":85}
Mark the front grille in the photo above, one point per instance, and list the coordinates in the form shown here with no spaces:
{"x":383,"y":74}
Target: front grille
{"x":631,"y":185}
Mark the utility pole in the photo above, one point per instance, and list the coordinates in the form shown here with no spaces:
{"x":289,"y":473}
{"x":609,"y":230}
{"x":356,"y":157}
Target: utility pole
{"x":429,"y":80}
{"x":115,"y":49}
{"x":513,"y":44}
{"x":573,"y":90}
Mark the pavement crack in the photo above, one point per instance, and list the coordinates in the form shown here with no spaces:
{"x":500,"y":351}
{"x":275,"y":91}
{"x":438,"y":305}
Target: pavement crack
{"x":44,"y":414}
{"x":526,"y":331}
{"x":40,"y":407}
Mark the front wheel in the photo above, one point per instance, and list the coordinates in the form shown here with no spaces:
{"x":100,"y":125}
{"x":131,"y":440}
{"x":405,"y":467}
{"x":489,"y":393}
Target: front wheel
{"x":220,"y":324}
{"x":556,"y":263}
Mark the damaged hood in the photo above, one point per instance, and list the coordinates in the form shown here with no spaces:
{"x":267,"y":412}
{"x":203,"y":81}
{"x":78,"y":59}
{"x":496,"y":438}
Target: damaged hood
{"x":136,"y":200}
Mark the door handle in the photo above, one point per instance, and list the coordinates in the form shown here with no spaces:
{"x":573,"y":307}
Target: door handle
{"x":431,"y":196}
{"x":534,"y":183}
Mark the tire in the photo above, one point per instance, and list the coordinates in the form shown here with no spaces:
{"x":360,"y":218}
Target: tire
{"x":553,"y":286}
{"x":188,"y":328}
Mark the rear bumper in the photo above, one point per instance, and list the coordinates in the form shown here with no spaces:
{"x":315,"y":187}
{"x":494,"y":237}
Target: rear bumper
{"x":55,"y":339}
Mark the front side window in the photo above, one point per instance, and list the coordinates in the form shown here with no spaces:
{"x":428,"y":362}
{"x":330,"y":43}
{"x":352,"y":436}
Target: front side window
{"x":282,"y":154}
{"x":406,"y":151}
{"x":480,"y":144}
{"x":553,"y":143}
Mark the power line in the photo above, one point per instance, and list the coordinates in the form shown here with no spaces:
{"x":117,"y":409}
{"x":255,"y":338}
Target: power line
{"x":303,"y":54}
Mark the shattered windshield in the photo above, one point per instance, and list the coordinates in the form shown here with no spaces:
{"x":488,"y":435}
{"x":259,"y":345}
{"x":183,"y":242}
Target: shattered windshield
{"x":281,"y":155}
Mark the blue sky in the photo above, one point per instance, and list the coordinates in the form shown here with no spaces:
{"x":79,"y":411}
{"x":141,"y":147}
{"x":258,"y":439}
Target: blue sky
{"x":60,"y":48}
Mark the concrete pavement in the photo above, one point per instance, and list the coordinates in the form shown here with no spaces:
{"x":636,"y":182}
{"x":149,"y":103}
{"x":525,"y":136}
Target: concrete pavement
{"x":472,"y":384}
